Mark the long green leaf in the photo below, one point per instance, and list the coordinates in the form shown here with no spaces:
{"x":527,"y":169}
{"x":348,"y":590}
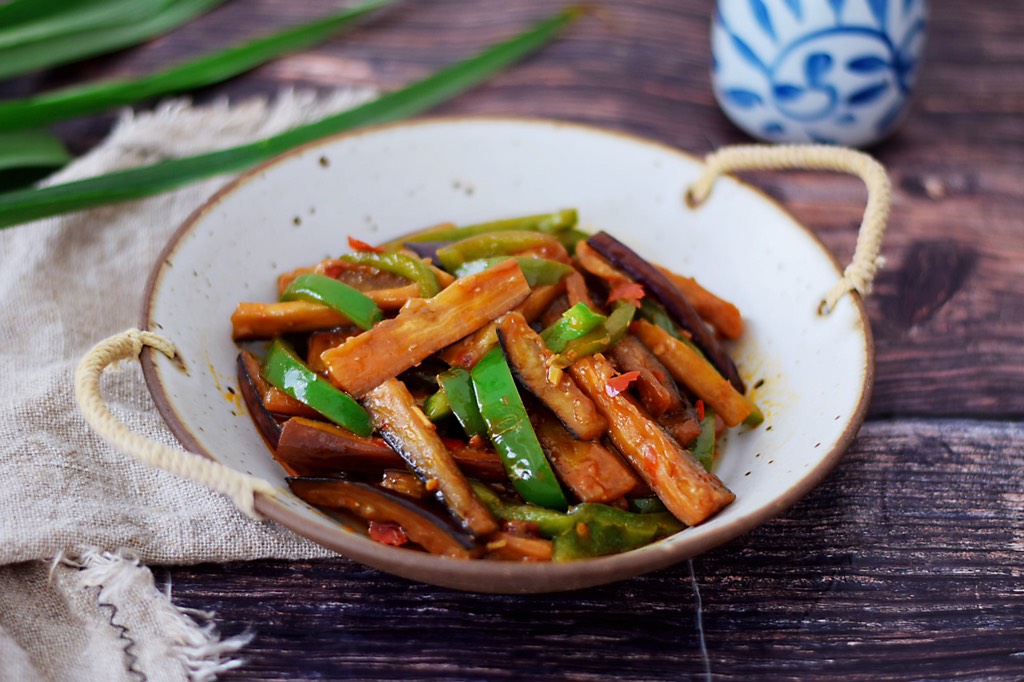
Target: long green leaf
{"x":31,"y":149}
{"x":57,"y":106}
{"x":51,"y":19}
{"x":18,"y":13}
{"x":65,"y":48}
{"x":21,"y":206}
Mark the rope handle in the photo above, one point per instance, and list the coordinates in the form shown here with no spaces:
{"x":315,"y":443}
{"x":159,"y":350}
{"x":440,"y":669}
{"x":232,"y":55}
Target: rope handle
{"x":238,"y":487}
{"x":866,"y":261}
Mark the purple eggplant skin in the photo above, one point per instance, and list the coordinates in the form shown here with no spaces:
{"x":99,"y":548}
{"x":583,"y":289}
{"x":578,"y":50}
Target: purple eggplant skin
{"x":268,"y":427}
{"x":373,"y":503}
{"x":425,"y":249}
{"x":311,"y":447}
{"x":680,"y":309}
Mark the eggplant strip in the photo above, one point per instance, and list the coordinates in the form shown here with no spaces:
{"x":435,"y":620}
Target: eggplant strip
{"x":679,"y":308}
{"x":321,"y":341}
{"x":407,"y":430}
{"x":657,"y":391}
{"x":590,"y":470}
{"x":375,"y":504}
{"x":588,"y":258}
{"x":696,"y":373}
{"x":310,"y":447}
{"x":272,"y":399}
{"x":531,"y":362}
{"x":680,"y":482}
{"x":266,"y":320}
{"x":279,"y":402}
{"x":421,"y":329}
{"x":504,"y":546}
{"x":252,"y":321}
{"x":475,"y":462}
{"x":393,"y":299}
{"x":553,"y":312}
{"x":404,"y":482}
{"x":719,"y":313}
{"x":576,"y":289}
{"x":467,"y":352}
{"x":252,"y":386}
{"x":681,"y":424}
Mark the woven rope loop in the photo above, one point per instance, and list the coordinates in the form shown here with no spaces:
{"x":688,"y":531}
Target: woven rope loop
{"x":240,"y":488}
{"x":860,"y":273}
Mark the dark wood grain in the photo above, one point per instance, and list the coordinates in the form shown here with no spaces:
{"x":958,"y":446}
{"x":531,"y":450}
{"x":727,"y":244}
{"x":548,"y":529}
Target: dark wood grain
{"x":905,"y":564}
{"x":642,"y":66}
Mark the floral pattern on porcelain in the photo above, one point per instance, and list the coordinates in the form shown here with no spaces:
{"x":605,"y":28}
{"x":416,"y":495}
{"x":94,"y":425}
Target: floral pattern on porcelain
{"x":828,"y":71}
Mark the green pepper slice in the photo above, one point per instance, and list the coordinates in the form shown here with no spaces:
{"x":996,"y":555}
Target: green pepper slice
{"x":451,"y":257}
{"x":574,"y":323}
{"x":283,"y":368}
{"x":599,"y":530}
{"x":401,"y":264}
{"x":587,"y":529}
{"x":704,"y":447}
{"x":656,"y":315}
{"x":755,"y":418}
{"x":436,"y":406}
{"x":549,"y":522}
{"x":646,"y":505}
{"x":570,"y":238}
{"x":600,"y":338}
{"x":457,"y":386}
{"x":537,"y":271}
{"x":510,"y":431}
{"x":350,"y":302}
{"x":549,"y":223}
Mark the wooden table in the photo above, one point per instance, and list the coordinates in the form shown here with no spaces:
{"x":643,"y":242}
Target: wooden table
{"x":906,"y":563}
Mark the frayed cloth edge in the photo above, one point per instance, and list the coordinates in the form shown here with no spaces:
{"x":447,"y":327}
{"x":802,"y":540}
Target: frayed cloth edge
{"x":191,"y":636}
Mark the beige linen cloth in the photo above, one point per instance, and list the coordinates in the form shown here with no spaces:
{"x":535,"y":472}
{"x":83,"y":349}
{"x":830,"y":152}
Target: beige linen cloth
{"x":78,"y":520}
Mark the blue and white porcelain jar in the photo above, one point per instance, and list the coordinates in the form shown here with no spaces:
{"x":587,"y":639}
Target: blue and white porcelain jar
{"x":829,"y":71}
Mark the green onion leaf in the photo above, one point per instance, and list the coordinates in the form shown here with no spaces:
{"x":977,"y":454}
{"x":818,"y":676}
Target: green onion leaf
{"x":56,"y":46}
{"x":31,"y":149}
{"x":23,"y":22}
{"x":63,"y":104}
{"x":24,"y":205}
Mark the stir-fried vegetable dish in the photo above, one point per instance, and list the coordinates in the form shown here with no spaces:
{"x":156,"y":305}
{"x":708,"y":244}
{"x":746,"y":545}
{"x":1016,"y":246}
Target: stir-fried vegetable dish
{"x":516,"y":390}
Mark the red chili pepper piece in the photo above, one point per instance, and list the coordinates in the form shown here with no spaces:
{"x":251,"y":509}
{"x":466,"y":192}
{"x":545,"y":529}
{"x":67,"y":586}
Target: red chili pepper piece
{"x":360,"y":245}
{"x":700,"y":409}
{"x":620,"y":383}
{"x":387,"y":533}
{"x":631,"y":292}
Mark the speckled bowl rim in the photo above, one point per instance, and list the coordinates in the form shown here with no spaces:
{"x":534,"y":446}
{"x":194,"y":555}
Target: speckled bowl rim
{"x":496,"y":576}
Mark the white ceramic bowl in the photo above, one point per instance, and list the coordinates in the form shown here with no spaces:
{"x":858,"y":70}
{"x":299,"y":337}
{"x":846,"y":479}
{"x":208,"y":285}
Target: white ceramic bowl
{"x":378,"y":183}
